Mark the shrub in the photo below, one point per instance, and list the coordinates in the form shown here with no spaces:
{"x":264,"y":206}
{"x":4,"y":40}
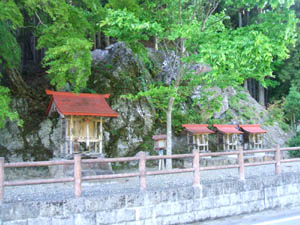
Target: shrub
{"x":295,"y":142}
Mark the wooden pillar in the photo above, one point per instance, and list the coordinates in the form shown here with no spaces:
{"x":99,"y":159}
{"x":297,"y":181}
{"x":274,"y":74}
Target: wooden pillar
{"x":71,"y":136}
{"x":241,"y":164}
{"x":66,"y":135}
{"x":277,"y":158}
{"x":87,"y":134}
{"x":61,"y":146}
{"x":142,"y":170}
{"x":101,"y":136}
{"x":196,"y":167}
{"x":77,"y":175}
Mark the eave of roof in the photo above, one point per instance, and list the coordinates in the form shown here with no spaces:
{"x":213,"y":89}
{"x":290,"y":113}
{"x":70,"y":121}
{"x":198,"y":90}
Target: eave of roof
{"x":197,"y":128}
{"x":252,"y":128}
{"x":227,"y":129}
{"x":81,"y":104}
{"x":159,"y":137}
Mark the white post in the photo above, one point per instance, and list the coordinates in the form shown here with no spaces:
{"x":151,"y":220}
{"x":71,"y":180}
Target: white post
{"x":71,"y":136}
{"x":87,"y":134}
{"x":101,"y":136}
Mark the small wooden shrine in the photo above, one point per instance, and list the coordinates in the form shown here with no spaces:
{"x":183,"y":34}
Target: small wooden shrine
{"x":253,"y":136}
{"x":227,"y":137}
{"x":81,"y":120}
{"x":160,"y":144}
{"x":197,"y":136}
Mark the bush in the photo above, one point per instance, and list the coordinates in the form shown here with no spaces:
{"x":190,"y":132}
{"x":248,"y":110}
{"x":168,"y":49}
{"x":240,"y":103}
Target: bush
{"x":294,"y":142}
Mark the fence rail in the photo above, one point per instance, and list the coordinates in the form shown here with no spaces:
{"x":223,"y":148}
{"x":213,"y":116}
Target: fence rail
{"x":142,"y":173}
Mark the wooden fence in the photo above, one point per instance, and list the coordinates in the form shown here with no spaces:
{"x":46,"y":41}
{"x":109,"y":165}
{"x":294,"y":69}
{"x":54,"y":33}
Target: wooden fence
{"x":142,"y":172}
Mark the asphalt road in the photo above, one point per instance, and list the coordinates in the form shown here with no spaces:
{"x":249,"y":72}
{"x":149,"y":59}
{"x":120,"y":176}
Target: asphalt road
{"x":286,"y":216}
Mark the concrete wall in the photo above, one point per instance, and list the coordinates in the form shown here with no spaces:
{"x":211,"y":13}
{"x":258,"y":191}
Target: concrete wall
{"x":172,"y":206}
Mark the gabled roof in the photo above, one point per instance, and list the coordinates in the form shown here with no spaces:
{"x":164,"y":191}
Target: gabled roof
{"x":159,"y":137}
{"x":253,"y":128}
{"x":83,"y":104}
{"x":197,"y":128}
{"x":227,"y":129}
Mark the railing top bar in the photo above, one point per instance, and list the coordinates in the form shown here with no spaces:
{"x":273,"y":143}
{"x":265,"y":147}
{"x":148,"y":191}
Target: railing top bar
{"x":290,"y":160}
{"x":123,"y":159}
{"x":169,"y":156}
{"x":218,"y":153}
{"x":39,"y":163}
{"x":289,"y":148}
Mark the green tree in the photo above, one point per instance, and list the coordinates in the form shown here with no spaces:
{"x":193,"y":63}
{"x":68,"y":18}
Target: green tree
{"x":292,"y":105}
{"x":10,"y":19}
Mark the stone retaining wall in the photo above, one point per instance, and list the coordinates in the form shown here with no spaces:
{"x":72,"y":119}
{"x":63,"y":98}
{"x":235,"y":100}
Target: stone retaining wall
{"x":172,"y":206}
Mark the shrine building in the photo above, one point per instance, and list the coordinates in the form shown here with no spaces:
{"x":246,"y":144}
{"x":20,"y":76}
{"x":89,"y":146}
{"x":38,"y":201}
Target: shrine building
{"x":81,"y":120}
{"x":253,"y":136}
{"x":227,"y":137}
{"x":197,"y":136}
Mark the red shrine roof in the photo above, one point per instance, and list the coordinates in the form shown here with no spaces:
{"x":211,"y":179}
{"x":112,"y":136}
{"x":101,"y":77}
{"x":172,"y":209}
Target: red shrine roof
{"x":159,"y":137}
{"x":197,"y":128}
{"x":253,"y":128}
{"x":227,"y":129}
{"x":82,"y":104}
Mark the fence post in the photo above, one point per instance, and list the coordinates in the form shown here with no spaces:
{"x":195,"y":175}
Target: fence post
{"x":196,"y":167}
{"x":77,"y":174}
{"x":241,"y":164}
{"x":1,"y":178}
{"x":277,"y":158}
{"x":142,"y":170}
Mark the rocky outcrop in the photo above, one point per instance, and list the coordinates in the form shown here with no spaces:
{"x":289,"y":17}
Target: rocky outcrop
{"x":116,"y":70}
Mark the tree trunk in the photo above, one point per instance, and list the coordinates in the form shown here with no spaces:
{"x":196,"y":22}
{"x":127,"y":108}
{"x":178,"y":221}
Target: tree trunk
{"x":99,"y":40}
{"x":240,"y":20}
{"x":261,"y":94}
{"x":169,"y":132}
{"x":107,"y":41}
{"x":17,"y":83}
{"x":246,"y":84}
{"x":156,"y":43}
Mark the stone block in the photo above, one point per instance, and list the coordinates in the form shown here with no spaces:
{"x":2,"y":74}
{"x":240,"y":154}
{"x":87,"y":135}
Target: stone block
{"x":152,"y":198}
{"x":143,"y":213}
{"x":50,"y":209}
{"x":185,"y":193}
{"x":62,"y":220}
{"x":19,"y":211}
{"x":169,"y":195}
{"x":178,"y":207}
{"x":40,"y":221}
{"x":106,"y":217}
{"x":85,"y":219}
{"x":125,"y":215}
{"x":163,"y":209}
{"x":134,"y":200}
{"x":15,"y":222}
{"x":73,"y":206}
{"x":186,"y":217}
{"x":116,"y":201}
{"x":168,"y":220}
{"x":201,"y":215}
{"x":197,"y":205}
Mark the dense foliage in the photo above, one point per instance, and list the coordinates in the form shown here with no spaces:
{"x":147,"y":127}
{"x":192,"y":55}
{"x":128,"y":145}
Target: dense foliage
{"x":200,"y":32}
